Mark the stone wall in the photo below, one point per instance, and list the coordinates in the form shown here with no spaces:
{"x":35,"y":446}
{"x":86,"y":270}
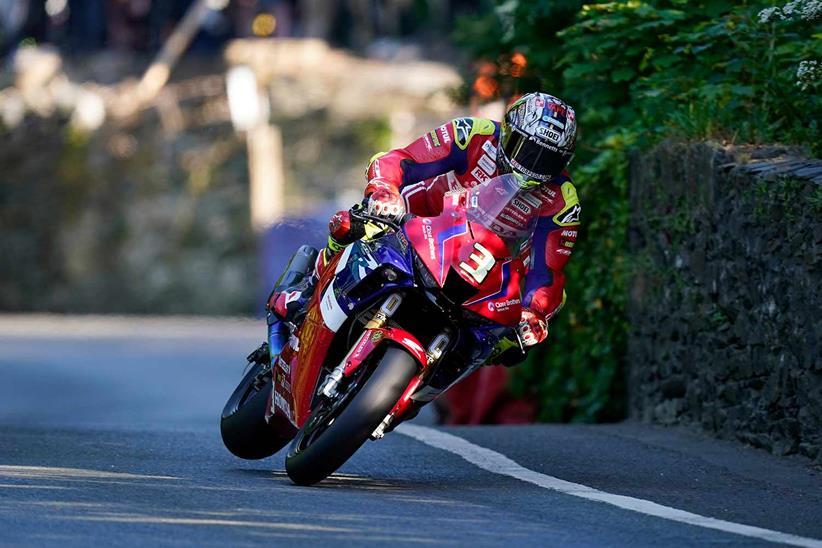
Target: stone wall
{"x":725,"y":306}
{"x":123,"y":220}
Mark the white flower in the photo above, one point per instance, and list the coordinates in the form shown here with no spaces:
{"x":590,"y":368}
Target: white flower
{"x":808,"y":73}
{"x":770,"y":14}
{"x":811,"y":10}
{"x":806,"y":10}
{"x":790,"y":7}
{"x":505,"y":13}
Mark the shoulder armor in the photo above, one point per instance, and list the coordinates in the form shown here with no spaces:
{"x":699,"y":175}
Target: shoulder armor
{"x":466,"y":128}
{"x":373,"y":159}
{"x":569,"y":215}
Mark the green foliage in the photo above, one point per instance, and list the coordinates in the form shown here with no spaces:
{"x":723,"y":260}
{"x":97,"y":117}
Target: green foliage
{"x":637,"y":72}
{"x":787,"y":199}
{"x":373,"y":134}
{"x":514,"y":26}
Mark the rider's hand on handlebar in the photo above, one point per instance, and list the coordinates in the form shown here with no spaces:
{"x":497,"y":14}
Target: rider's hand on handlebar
{"x":385,"y":203}
{"x":532,"y":328}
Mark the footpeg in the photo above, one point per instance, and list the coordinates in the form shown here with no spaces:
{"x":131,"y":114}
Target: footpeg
{"x":329,"y":388}
{"x":260,"y":355}
{"x":379,"y":432}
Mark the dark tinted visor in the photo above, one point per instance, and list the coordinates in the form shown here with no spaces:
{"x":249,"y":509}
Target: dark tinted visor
{"x":527,"y":157}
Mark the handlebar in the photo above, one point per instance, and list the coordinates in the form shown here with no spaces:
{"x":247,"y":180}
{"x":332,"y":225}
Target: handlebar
{"x":358,"y":214}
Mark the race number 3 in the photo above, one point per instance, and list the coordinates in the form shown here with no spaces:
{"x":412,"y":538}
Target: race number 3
{"x":484,"y":261}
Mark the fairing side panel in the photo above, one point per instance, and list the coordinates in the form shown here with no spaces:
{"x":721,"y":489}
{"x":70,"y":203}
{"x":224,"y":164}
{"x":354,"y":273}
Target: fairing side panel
{"x":436,"y":240}
{"x":448,"y":241}
{"x":498,"y":297}
{"x":299,"y":365}
{"x":359,"y":265}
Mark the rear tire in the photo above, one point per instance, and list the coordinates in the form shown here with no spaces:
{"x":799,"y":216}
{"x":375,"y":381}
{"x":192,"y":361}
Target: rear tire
{"x":329,"y":438}
{"x":243,"y":426}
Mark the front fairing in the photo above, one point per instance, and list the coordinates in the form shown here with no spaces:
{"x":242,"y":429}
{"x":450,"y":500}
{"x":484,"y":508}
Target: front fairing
{"x":447,"y":242}
{"x":360,"y":276}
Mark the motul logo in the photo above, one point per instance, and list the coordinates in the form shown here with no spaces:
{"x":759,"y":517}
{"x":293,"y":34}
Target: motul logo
{"x":445,"y":137}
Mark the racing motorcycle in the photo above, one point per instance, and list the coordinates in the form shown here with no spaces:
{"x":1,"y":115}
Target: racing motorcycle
{"x":396,"y":319}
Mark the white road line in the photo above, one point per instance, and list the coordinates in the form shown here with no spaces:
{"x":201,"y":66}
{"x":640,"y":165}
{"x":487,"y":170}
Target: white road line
{"x":500,"y":464}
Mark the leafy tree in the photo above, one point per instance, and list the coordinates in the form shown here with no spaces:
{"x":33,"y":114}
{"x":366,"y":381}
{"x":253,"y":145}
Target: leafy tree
{"x":637,"y":72}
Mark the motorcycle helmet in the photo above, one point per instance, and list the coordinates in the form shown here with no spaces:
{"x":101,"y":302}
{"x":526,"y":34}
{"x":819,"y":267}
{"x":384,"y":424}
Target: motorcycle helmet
{"x":537,"y":139}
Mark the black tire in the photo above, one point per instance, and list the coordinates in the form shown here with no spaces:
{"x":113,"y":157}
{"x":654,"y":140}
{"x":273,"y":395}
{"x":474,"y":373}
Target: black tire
{"x":320,"y":448}
{"x":242,"y":425}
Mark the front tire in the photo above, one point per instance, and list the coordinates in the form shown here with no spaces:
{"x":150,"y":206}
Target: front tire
{"x":335,"y":430}
{"x":243,"y":426}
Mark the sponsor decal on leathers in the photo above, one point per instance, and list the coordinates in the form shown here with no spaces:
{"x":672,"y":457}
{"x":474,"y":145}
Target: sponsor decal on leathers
{"x":480,"y":175}
{"x":445,"y":137}
{"x":490,"y":149}
{"x":487,"y":164}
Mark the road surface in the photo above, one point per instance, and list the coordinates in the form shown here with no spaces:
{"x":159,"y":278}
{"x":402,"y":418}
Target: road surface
{"x":110,"y":437}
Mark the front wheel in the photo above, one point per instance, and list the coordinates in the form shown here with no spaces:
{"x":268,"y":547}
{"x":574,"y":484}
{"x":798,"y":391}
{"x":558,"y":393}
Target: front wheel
{"x":336,"y":429}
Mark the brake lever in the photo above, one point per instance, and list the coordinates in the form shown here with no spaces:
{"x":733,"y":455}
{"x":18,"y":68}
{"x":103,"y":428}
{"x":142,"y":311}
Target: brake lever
{"x":519,"y":342}
{"x":514,"y":334}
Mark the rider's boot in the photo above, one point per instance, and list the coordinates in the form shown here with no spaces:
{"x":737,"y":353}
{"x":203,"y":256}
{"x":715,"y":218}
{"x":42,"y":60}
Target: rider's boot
{"x":290,"y":304}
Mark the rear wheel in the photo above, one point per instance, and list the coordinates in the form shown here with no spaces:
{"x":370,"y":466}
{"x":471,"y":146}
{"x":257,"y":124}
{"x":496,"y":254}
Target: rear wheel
{"x":243,"y":426}
{"x":336,"y":429}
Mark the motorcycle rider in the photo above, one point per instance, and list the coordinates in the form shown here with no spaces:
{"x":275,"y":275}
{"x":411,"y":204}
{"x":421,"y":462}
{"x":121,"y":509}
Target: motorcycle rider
{"x":534,"y":142}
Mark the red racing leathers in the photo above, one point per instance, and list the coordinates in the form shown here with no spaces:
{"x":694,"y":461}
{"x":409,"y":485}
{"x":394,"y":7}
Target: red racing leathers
{"x":462,"y":153}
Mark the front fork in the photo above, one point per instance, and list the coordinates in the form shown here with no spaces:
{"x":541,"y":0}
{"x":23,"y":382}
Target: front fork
{"x":433,"y":353}
{"x":351,"y":361}
{"x":373,"y":335}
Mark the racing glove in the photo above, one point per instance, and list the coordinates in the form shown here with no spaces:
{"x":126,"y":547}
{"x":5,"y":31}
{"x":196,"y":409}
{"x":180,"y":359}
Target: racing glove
{"x":384,"y":201}
{"x":532,"y":328}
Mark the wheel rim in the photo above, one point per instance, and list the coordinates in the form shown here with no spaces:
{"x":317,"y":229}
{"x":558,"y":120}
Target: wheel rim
{"x":328,"y":412}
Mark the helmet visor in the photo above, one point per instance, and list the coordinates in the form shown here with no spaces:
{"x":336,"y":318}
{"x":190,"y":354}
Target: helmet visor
{"x":528,"y":157}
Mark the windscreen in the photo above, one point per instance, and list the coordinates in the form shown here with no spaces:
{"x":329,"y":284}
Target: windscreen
{"x":500,"y":205}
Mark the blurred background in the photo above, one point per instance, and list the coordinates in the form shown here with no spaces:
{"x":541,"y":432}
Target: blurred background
{"x":151,"y":148}
{"x":166,"y":157}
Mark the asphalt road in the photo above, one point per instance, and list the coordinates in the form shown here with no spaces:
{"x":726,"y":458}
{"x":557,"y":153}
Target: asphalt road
{"x":109,"y":437}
